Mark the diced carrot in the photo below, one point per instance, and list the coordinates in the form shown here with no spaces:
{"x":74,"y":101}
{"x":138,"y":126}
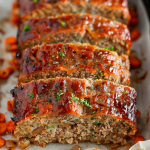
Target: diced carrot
{"x":13,"y":62}
{"x":13,"y":54}
{"x":10,"y":105}
{"x":135,"y":62}
{"x":10,"y":40}
{"x":139,"y":138}
{"x":2,"y":117}
{"x":2,"y":142}
{"x":135,"y":34}
{"x":134,"y":22}
{"x":14,"y":47}
{"x":10,"y":69}
{"x":10,"y":126}
{"x":2,"y":128}
{"x":15,"y":4}
{"x":15,"y":19}
{"x":4,"y":74}
{"x":138,"y":115}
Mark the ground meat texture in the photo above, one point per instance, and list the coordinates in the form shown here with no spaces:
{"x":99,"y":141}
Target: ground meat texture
{"x":111,"y":9}
{"x":75,"y":61}
{"x":64,"y":110}
{"x":94,"y":30}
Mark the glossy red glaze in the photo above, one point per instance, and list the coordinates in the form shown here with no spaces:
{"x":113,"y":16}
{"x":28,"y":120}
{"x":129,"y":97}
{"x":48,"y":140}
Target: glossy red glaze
{"x":26,"y":6}
{"x":106,"y":98}
{"x":98,"y":27}
{"x":82,"y":59}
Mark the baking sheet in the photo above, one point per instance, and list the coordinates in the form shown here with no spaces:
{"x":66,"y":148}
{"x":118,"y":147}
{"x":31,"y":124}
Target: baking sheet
{"x":141,"y":47}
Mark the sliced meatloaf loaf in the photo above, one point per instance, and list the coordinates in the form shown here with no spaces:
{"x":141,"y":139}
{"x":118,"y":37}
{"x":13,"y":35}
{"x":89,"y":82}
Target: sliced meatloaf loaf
{"x":75,"y":28}
{"x":68,"y":110}
{"x":75,"y":61}
{"x":111,"y":9}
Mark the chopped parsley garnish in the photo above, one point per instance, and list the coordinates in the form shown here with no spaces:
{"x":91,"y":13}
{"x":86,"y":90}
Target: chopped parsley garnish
{"x":90,"y":26}
{"x":53,"y":56}
{"x":81,"y":93}
{"x":58,"y":96}
{"x":36,"y":1}
{"x":26,"y":28}
{"x":63,"y":24}
{"x":61,"y":54}
{"x":63,"y":47}
{"x":69,"y":101}
{"x":115,"y":21}
{"x":85,"y":102}
{"x":116,"y":50}
{"x":81,"y":69}
{"x":47,"y":127}
{"x":91,"y":130}
{"x":94,"y":112}
{"x":92,"y":118}
{"x":31,"y":95}
{"x":92,"y":87}
{"x":126,"y":92}
{"x":101,"y":56}
{"x":96,"y":122}
{"x":39,"y":47}
{"x":37,"y":109}
{"x":93,"y":135}
{"x":76,"y":119}
{"x":65,"y":63}
{"x":100,"y":100}
{"x":112,"y":48}
{"x":47,"y":102}
{"x":125,"y":69}
{"x":53,"y":127}
{"x":26,"y":134}
{"x":96,"y":77}
{"x":79,"y":10}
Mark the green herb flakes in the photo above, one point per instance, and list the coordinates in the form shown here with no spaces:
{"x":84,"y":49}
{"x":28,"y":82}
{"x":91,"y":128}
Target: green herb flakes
{"x":58,"y":96}
{"x":31,"y":95}
{"x":126,"y":92}
{"x":93,"y":135}
{"x":37,"y":109}
{"x":96,"y":122}
{"x":94,"y":112}
{"x":26,"y":28}
{"x":91,"y":130}
{"x":61,"y":54}
{"x":92,"y":118}
{"x":63,"y":24}
{"x":47,"y":127}
{"x":81,"y":69}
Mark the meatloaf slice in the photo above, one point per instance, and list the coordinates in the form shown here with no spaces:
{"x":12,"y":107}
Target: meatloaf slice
{"x":75,"y":28}
{"x":67,"y":110}
{"x":75,"y":61}
{"x":111,"y":9}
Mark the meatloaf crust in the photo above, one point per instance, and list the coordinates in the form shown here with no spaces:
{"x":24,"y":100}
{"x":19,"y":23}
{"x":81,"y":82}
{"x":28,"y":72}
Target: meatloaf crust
{"x":70,"y":110}
{"x":111,"y":9}
{"x":94,"y":30}
{"x":75,"y":61}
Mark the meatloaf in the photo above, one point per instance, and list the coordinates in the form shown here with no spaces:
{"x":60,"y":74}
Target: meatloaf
{"x":69,"y":110}
{"x":111,"y":9}
{"x":94,"y":30}
{"x":75,"y":61}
